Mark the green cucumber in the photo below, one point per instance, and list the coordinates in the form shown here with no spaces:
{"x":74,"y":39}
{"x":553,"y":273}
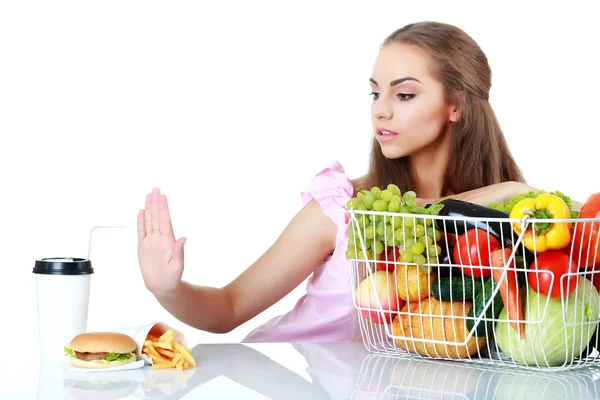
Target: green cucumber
{"x":493,"y":311}
{"x":456,"y":288}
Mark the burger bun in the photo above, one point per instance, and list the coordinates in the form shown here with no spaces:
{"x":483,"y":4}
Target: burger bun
{"x":77,"y":363}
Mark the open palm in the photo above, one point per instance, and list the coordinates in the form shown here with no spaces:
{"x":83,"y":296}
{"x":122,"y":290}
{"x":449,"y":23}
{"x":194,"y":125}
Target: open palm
{"x":160,"y":256}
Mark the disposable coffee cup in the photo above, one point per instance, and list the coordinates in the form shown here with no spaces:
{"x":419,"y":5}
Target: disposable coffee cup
{"x":63,"y":294}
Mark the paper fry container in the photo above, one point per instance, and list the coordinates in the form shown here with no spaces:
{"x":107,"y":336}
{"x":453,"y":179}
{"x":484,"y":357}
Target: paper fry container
{"x":140,"y":333}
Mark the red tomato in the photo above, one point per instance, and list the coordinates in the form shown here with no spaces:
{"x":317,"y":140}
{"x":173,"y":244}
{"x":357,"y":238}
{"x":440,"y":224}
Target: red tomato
{"x":552,"y":263}
{"x":586,"y":249}
{"x":472,"y":252}
{"x":392,"y":255}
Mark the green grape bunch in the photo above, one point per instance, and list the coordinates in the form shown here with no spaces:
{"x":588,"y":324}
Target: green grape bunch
{"x":387,"y":218}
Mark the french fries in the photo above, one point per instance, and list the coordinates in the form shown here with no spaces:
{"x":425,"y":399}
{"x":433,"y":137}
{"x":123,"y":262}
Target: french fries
{"x":165,"y":352}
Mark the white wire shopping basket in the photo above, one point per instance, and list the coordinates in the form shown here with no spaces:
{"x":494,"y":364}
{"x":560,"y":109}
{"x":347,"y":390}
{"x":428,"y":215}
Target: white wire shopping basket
{"x":492,"y":290}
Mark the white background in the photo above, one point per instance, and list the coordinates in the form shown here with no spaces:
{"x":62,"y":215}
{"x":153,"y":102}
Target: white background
{"x":231,"y":108}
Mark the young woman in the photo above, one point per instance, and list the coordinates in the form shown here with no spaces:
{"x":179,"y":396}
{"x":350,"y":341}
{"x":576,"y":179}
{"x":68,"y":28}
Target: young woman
{"x":434,"y":132}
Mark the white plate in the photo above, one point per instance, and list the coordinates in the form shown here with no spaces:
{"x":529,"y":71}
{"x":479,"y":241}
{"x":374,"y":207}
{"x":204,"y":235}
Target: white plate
{"x":134,"y":365}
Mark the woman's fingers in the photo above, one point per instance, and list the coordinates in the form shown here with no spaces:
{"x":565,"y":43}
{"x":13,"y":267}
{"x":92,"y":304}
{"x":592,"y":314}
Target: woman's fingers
{"x":164,"y":218}
{"x":148,"y":214}
{"x":141,"y":225}
{"x":155,"y":218}
{"x":154,"y":207}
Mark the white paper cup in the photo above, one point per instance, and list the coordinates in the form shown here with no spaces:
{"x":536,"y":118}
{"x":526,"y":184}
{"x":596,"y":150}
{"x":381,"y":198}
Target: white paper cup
{"x":63,"y":293}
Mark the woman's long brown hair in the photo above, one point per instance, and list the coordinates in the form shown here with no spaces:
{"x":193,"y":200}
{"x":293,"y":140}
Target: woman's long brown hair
{"x":479,"y":155}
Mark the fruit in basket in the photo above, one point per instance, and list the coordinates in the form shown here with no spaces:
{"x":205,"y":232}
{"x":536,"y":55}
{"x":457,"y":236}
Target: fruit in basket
{"x":554,"y":335}
{"x":547,"y":236}
{"x":472,"y":252}
{"x":414,"y":236}
{"x":553,"y":264}
{"x":413,"y":284}
{"x":586,"y":240}
{"x":380,"y":286}
{"x":423,"y":320}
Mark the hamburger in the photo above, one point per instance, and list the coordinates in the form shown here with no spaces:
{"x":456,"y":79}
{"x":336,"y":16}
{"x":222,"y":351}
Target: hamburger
{"x":96,"y":350}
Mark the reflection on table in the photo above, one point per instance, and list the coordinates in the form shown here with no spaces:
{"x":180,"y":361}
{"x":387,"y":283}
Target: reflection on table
{"x":384,"y":377}
{"x":336,"y":371}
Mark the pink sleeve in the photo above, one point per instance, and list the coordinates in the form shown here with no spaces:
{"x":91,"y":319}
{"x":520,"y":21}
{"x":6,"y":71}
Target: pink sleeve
{"x":332,"y":189}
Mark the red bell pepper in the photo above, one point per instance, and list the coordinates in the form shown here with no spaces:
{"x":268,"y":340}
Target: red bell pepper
{"x":586,"y":241}
{"x":392,"y":256}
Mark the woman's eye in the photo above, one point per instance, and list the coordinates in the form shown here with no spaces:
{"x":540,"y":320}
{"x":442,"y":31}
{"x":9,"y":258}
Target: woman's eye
{"x":375,"y":95}
{"x":405,"y":96}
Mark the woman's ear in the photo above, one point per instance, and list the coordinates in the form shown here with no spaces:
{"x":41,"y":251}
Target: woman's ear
{"x":455,"y":106}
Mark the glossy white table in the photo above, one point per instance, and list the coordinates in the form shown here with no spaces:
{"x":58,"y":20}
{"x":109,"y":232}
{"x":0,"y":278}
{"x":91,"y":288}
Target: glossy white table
{"x":306,"y":371}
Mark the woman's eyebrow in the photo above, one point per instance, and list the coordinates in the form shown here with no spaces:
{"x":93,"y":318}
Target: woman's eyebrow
{"x":396,"y":81}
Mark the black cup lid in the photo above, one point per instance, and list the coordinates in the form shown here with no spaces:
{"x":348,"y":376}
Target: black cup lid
{"x":63,"y":266}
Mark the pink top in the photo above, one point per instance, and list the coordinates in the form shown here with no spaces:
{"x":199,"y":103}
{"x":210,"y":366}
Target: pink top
{"x":326,"y":312}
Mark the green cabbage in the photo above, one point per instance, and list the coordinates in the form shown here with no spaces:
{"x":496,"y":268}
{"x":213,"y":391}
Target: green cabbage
{"x":549,"y":341}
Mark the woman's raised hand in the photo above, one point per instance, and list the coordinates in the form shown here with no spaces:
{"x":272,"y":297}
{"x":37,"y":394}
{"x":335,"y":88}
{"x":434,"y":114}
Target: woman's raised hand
{"x":160,"y":256}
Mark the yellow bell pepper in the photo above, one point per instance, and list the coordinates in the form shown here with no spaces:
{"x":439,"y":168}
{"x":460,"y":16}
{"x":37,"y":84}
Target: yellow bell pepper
{"x":547,"y":236}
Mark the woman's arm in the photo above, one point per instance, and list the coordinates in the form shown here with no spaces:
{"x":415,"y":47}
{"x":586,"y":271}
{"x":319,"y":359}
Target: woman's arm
{"x":496,"y":193}
{"x":304,"y":243}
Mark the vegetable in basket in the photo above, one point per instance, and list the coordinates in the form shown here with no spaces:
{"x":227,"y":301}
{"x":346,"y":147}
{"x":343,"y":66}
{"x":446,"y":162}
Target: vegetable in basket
{"x":472,"y":252}
{"x":441,"y":321}
{"x":509,"y":288}
{"x":485,"y":327}
{"x":586,"y":240}
{"x":508,"y":206}
{"x":548,"y":236}
{"x":553,"y":264}
{"x":456,"y":288}
{"x":443,"y":263}
{"x":388,"y":259}
{"x":458,"y":225}
{"x":553,"y":336}
{"x":457,"y":209}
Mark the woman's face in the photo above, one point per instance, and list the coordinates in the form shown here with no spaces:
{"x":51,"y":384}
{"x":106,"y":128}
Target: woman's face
{"x":409,"y":109}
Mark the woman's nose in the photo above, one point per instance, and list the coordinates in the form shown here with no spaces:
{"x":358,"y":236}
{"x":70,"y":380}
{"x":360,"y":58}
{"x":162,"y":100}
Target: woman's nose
{"x":382,"y":110}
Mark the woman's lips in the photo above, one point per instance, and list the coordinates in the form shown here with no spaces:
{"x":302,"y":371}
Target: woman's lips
{"x":385,"y":135}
